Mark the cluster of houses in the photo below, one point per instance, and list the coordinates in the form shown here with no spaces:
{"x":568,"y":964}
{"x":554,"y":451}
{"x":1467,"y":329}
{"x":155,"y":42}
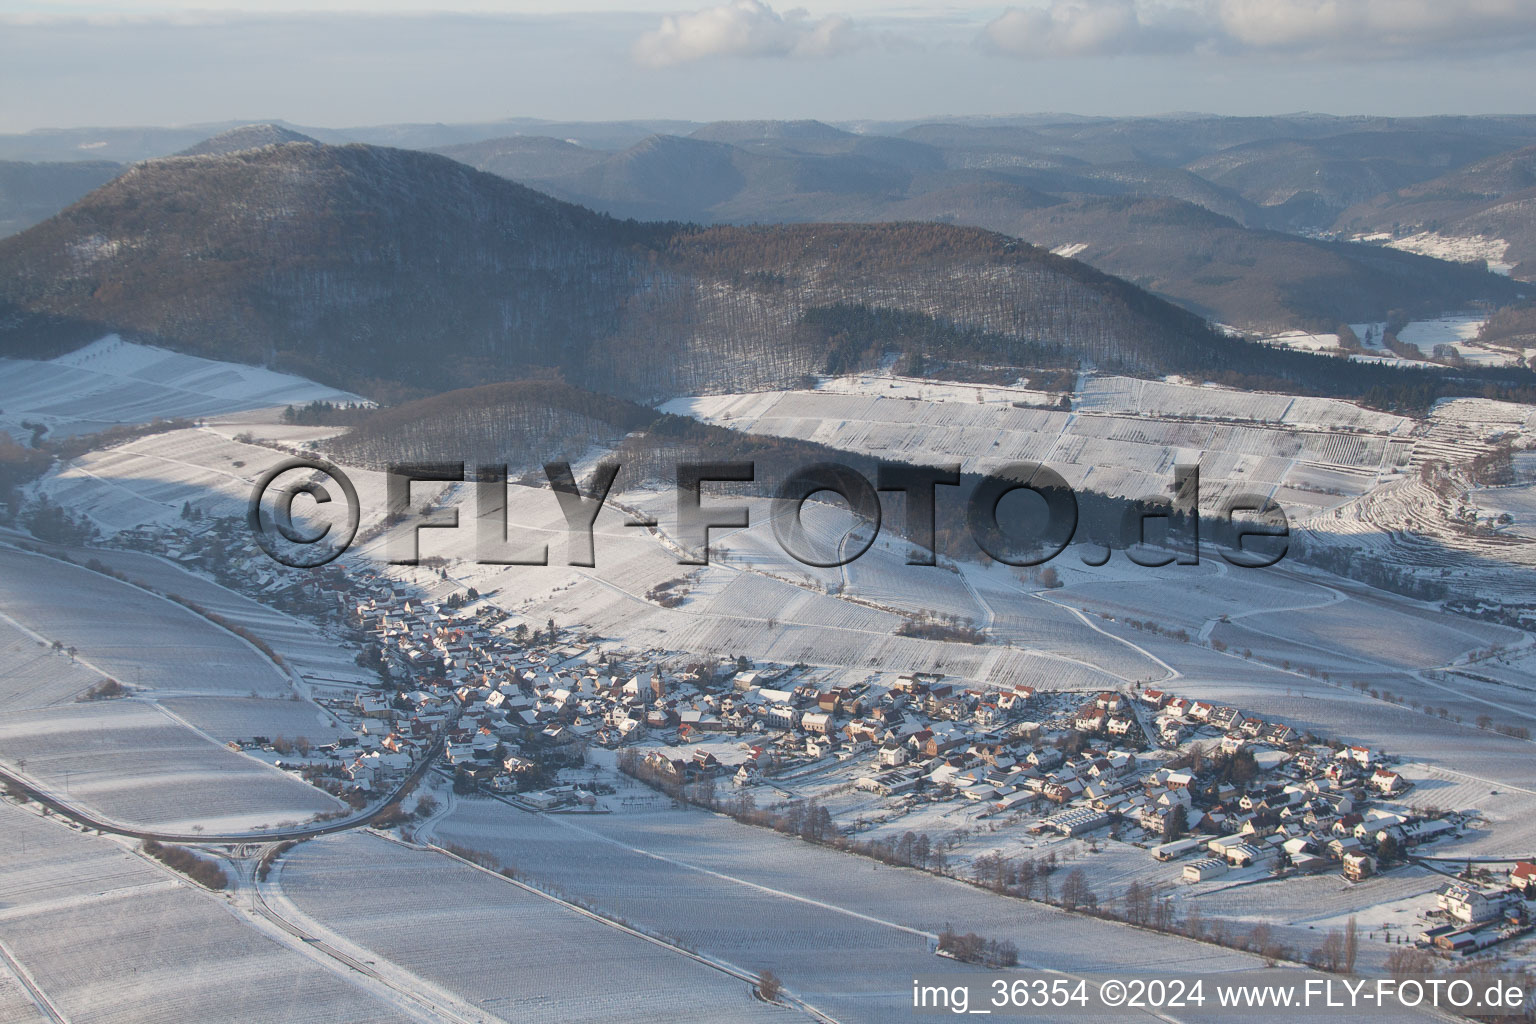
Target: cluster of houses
{"x":1257,"y":795}
{"x":500,"y":703}
{"x":1300,"y":805}
{"x":1175,"y":718}
{"x":507,"y":701}
{"x":917,"y":723}
{"x":504,"y":702}
{"x":1476,"y":916}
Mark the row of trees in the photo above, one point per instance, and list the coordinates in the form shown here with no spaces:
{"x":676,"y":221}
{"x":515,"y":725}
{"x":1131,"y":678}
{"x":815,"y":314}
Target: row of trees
{"x":326,"y":414}
{"x":948,"y":628}
{"x":808,"y":819}
{"x":973,"y":949}
{"x":204,"y":872}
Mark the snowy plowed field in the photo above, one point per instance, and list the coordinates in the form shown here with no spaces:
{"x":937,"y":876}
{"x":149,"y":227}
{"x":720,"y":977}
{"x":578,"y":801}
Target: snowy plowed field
{"x":113,"y":939}
{"x":136,"y":765}
{"x":845,"y":934}
{"x":509,"y":952}
{"x":136,"y":637}
{"x":113,"y":381}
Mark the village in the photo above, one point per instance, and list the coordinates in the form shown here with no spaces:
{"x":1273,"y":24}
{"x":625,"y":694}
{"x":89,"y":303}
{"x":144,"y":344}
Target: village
{"x":502,"y":706}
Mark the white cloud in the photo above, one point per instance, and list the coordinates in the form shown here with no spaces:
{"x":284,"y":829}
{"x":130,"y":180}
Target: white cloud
{"x":744,"y":28}
{"x":1068,"y":28}
{"x":1383,"y":27}
{"x":1361,"y":29}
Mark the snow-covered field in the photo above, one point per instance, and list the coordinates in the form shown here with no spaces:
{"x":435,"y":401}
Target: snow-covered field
{"x":33,"y":675}
{"x":16,"y":1003}
{"x":148,"y":480}
{"x":508,"y":952}
{"x":1457,"y":330}
{"x":1123,"y":438}
{"x":1304,"y":341}
{"x":1299,"y":911}
{"x":846,"y":935}
{"x":137,"y":766}
{"x":134,"y":761}
{"x":1456,"y":248}
{"x":111,"y":938}
{"x":113,"y":381}
{"x":140,"y":639}
{"x":845,"y":943}
{"x":313,"y":655}
{"x":240,"y":718}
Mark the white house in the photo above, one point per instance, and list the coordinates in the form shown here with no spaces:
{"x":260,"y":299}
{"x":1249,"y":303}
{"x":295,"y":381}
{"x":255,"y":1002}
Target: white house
{"x":1470,"y":904}
{"x":816,"y":721}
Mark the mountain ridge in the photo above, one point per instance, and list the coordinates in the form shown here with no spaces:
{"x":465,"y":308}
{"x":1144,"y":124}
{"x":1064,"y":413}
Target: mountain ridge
{"x":398,"y":273}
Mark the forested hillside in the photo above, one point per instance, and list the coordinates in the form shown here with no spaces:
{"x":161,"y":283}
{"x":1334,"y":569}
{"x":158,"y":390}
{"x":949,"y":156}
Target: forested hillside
{"x":1197,"y":234}
{"x":522,"y":424}
{"x":397,"y":274}
{"x":1254,"y":279}
{"x":387,"y":269}
{"x":1051,"y":180}
{"x":1491,"y":199}
{"x":374,"y":266}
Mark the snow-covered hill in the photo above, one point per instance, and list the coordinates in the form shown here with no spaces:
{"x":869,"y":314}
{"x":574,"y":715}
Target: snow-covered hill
{"x":113,"y":381}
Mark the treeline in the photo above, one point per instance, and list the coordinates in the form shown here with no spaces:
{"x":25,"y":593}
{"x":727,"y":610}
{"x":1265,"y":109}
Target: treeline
{"x":1410,"y":391}
{"x":326,"y":414}
{"x":1494,"y":468}
{"x":973,"y":949}
{"x":1511,"y":327}
{"x":1350,"y":562}
{"x":76,"y":445}
{"x":523,"y":424}
{"x":107,"y":689}
{"x":37,"y":334}
{"x":19,"y":465}
{"x":50,"y":521}
{"x":857,"y":337}
{"x":178,"y":858}
{"x":270,"y":857}
{"x":807,"y":819}
{"x":947,"y":628}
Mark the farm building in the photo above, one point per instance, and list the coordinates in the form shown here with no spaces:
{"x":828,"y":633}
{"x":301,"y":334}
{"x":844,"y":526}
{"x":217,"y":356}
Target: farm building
{"x":1203,"y":870}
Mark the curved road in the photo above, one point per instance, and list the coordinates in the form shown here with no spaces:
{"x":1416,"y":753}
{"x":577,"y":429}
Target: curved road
{"x":17,"y":783}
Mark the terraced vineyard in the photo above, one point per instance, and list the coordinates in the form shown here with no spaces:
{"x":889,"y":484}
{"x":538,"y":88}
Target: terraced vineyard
{"x":1123,"y":438}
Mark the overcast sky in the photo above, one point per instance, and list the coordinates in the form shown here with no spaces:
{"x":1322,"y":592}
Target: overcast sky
{"x":341,"y":63}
